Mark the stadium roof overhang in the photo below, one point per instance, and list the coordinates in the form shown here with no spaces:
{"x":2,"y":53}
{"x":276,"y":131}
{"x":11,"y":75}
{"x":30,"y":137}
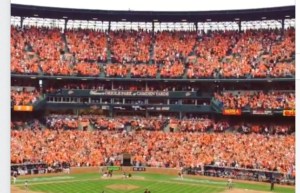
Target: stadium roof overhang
{"x":150,"y":16}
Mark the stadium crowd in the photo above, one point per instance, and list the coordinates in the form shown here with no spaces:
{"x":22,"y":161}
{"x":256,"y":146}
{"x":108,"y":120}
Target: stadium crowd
{"x":257,"y":100}
{"x":141,"y":54}
{"x":130,"y":45}
{"x":177,"y":54}
{"x":154,"y":148}
{"x":24,"y":97}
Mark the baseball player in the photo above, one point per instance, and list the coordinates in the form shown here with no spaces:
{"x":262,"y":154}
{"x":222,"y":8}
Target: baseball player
{"x":26,"y":186}
{"x":180,"y":175}
{"x":15,"y":175}
{"x":229,"y":183}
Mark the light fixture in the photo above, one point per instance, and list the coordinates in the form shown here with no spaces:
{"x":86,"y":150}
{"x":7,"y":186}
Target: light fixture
{"x":155,"y":20}
{"x":123,"y":19}
{"x":35,"y":15}
{"x":208,"y":19}
{"x":65,"y":17}
{"x":95,"y":18}
{"x":263,"y":17}
{"x":237,"y":19}
{"x":183,"y":20}
{"x":287,"y":16}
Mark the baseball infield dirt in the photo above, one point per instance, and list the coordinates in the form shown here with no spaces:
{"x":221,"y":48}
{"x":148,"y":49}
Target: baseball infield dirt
{"x":14,"y":189}
{"x":243,"y":191}
{"x":122,"y":187}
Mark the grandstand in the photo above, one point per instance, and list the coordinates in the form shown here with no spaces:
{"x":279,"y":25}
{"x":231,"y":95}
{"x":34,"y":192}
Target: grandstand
{"x":173,"y":90}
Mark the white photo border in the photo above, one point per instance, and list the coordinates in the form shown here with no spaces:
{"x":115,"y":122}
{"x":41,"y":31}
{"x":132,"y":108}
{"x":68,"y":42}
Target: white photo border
{"x":5,"y":85}
{"x":5,"y":96}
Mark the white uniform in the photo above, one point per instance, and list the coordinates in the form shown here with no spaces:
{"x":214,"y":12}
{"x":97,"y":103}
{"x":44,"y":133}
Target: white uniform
{"x":180,"y":175}
{"x":26,"y":185}
{"x":15,"y":177}
{"x":229,"y":183}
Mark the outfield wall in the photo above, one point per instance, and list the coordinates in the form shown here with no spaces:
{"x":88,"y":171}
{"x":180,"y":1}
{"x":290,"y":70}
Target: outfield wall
{"x":170,"y":171}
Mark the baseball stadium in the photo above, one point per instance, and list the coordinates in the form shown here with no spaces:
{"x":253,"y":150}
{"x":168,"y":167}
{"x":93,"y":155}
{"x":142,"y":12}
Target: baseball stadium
{"x":110,"y":101}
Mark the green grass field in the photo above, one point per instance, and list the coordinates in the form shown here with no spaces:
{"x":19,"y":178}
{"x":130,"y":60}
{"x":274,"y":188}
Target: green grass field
{"x":92,"y":183}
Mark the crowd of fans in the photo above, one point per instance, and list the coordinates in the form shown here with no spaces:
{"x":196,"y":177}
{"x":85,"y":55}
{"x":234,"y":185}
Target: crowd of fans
{"x":254,"y":53}
{"x":120,"y":122}
{"x":130,"y":46}
{"x":22,"y":62}
{"x":173,"y":46}
{"x":177,"y":54}
{"x":141,"y":54}
{"x":157,"y":123}
{"x":59,"y":121}
{"x":256,"y":100}
{"x":86,"y":44}
{"x":134,"y":70}
{"x":154,"y":148}
{"x":161,"y":86}
{"x":24,"y":97}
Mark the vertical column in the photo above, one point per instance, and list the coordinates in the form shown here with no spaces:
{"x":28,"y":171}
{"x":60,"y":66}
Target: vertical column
{"x":282,"y":27}
{"x":112,"y":85}
{"x":146,"y":84}
{"x":147,"y":114}
{"x":22,"y":20}
{"x":109,"y":23}
{"x":65,"y":27}
{"x":196,"y":25}
{"x":240,"y":26}
{"x":152,"y":27}
{"x":111,"y":113}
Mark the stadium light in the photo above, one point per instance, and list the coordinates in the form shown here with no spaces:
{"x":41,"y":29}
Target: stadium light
{"x":287,"y":16}
{"x":35,"y":15}
{"x":123,"y":19}
{"x":65,"y":17}
{"x":208,"y":19}
{"x":183,"y":20}
{"x":95,"y":18}
{"x":155,"y":20}
{"x":263,"y":17}
{"x":237,"y":19}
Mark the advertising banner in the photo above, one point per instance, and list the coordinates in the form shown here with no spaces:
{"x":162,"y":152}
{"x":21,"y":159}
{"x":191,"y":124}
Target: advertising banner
{"x":289,"y":113}
{"x":128,"y":93}
{"x":261,"y":112}
{"x":232,"y":111}
{"x":23,"y":108}
{"x":139,"y":169}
